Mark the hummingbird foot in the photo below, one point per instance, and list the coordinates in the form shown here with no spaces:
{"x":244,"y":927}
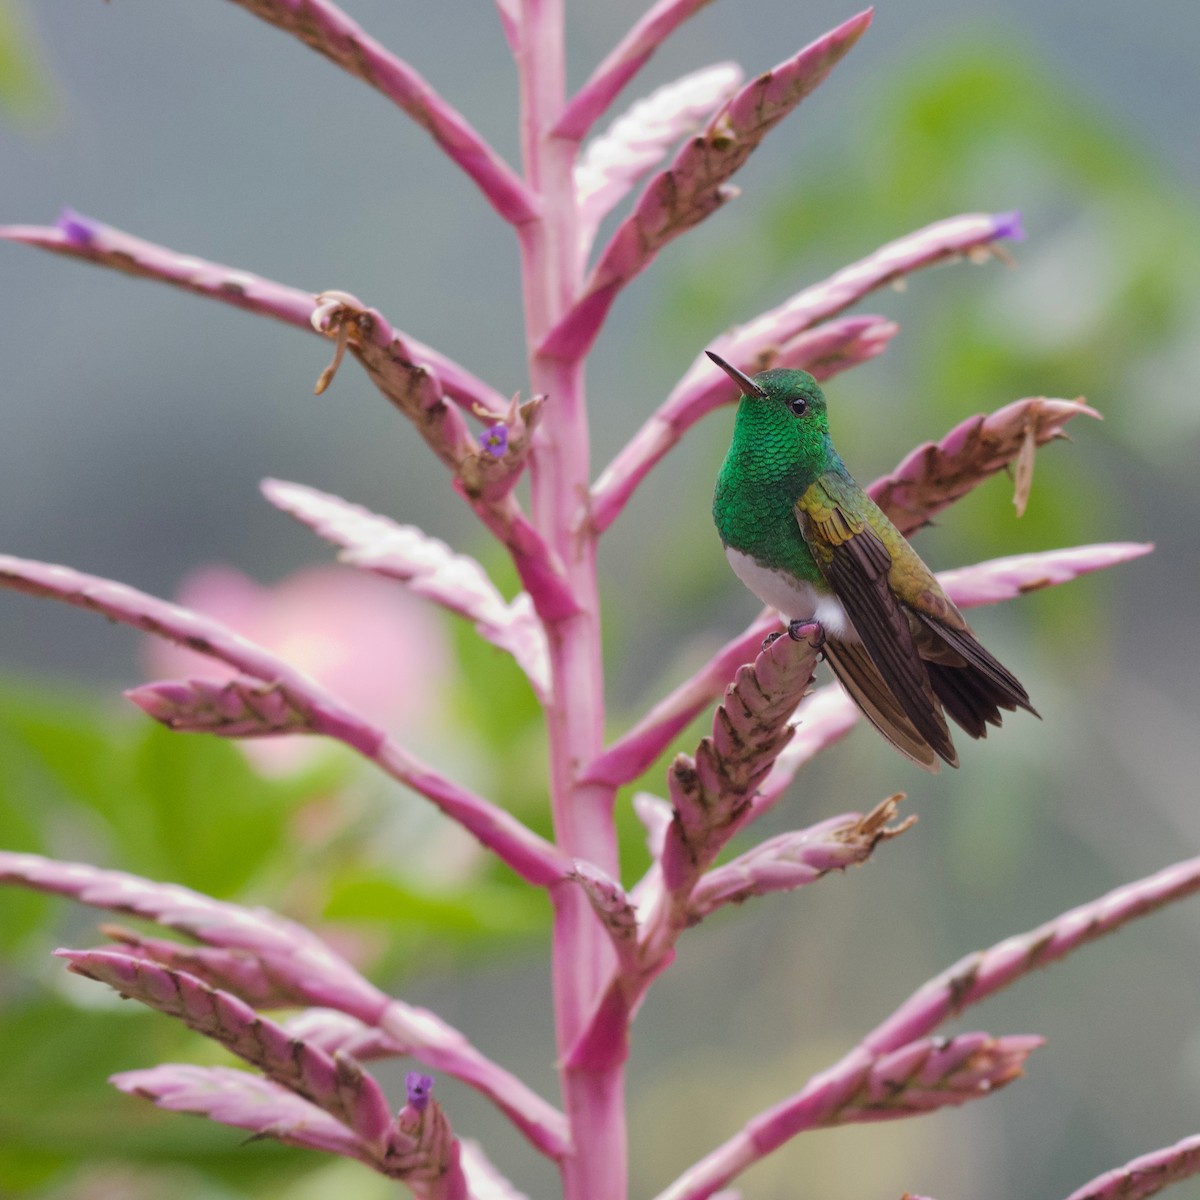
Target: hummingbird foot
{"x":801,"y":631}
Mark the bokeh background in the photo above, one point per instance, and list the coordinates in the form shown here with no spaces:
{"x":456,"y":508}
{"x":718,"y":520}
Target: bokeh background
{"x":136,"y":422}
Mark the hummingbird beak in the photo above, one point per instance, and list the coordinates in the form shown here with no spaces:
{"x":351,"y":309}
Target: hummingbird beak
{"x":748,"y":386}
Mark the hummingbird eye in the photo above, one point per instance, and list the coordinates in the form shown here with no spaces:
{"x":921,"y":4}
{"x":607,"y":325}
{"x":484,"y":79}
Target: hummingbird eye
{"x":798,"y":405}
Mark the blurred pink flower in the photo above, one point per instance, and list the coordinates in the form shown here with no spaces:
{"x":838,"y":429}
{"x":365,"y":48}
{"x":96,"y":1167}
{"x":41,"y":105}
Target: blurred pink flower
{"x":367,"y":640}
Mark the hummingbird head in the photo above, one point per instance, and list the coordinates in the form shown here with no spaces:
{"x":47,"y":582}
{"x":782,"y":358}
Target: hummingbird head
{"x":781,"y":410}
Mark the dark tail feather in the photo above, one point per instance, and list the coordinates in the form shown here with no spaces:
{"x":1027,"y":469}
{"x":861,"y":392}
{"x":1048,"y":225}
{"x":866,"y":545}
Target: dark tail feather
{"x":968,"y":696}
{"x":991,"y":682}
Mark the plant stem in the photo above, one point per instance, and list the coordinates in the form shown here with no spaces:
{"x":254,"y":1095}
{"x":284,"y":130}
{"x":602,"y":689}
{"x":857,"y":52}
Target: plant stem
{"x":559,"y":479}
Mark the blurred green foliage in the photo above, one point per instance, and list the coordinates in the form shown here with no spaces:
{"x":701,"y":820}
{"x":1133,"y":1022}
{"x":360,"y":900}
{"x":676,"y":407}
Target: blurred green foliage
{"x":24,"y":92}
{"x":1107,"y":302}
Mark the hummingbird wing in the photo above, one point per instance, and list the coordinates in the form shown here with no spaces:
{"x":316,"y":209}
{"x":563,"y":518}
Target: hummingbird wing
{"x":923,"y":651}
{"x":833,"y":517}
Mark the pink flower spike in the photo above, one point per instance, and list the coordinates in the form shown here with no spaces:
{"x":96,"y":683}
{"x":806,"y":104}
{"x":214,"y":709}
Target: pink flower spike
{"x":635,"y":143}
{"x":1006,"y":578}
{"x":427,"y":566}
{"x":936,"y":474}
{"x":240,"y":708}
{"x":244,"y":1101}
{"x":696,"y":184}
{"x":934,"y":1073}
{"x":325,"y":28}
{"x":253,"y":977}
{"x":793,"y":860}
{"x":215,"y":922}
{"x":969,"y":981}
{"x":1147,"y":1175}
{"x":293,"y":967}
{"x":985,"y":972}
{"x":335,"y":1084}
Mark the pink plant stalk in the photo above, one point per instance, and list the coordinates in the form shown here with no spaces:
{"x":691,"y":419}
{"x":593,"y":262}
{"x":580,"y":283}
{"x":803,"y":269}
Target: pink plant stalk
{"x":610,"y":941}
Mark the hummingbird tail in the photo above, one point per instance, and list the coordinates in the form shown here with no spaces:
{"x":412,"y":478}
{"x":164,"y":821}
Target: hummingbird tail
{"x":978,"y":685}
{"x":876,"y":701}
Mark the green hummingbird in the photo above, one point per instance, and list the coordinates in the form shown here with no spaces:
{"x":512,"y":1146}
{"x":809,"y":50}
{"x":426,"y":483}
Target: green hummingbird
{"x":808,"y":541}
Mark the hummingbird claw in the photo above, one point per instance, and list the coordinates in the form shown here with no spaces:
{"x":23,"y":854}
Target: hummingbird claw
{"x":800,"y":631}
{"x":771,"y":638}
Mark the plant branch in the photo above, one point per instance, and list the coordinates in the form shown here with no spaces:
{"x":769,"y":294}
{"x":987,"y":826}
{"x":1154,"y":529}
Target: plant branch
{"x":934,"y":475}
{"x":407,"y":373}
{"x":798,"y":858}
{"x":245,"y":1101}
{"x":622,"y":63}
{"x":711,"y":796}
{"x":516,"y":845}
{"x":1147,"y":1175}
{"x":696,"y":184}
{"x":427,"y":566}
{"x":335,"y":1084}
{"x":614,"y":162}
{"x":263,"y":957}
{"x":325,"y":28}
{"x":77,"y":236}
{"x":972,"y":236}
{"x":969,"y":981}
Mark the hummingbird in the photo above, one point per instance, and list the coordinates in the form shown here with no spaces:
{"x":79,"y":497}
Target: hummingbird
{"x":809,"y":542}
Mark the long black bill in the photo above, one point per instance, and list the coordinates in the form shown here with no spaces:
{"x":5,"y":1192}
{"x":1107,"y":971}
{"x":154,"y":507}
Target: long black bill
{"x":748,"y":386}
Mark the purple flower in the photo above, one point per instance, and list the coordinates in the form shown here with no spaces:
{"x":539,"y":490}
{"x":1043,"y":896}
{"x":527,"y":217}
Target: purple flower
{"x":495,"y":440}
{"x":1009,"y":225}
{"x":80,"y":230}
{"x":420,"y":1089}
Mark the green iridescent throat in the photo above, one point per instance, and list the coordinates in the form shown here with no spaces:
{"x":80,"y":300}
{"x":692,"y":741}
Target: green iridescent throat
{"x":774,"y":457}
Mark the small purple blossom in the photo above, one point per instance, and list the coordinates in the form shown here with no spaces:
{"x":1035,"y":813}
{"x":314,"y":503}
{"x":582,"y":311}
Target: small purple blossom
{"x":1008,"y":225}
{"x":79,"y":230}
{"x":495,"y":440}
{"x":419,"y":1088}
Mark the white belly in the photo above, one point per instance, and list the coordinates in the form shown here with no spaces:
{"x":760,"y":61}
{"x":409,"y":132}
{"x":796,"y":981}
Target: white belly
{"x":794,"y":598}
